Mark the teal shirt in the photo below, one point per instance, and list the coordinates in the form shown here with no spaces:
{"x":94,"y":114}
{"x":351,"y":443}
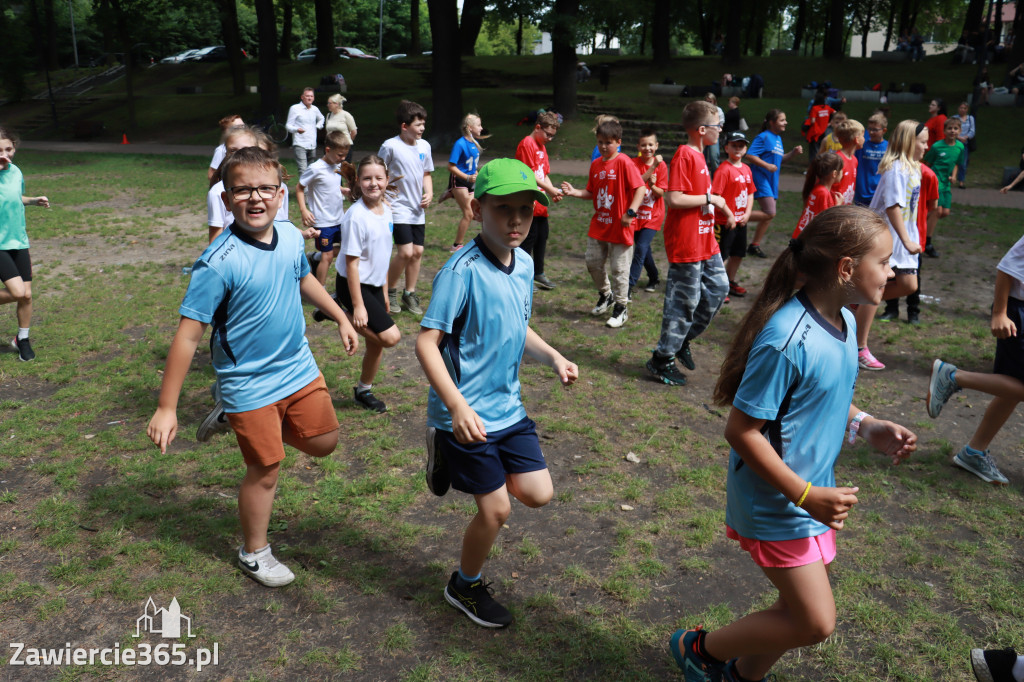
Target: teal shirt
{"x":12,"y":211}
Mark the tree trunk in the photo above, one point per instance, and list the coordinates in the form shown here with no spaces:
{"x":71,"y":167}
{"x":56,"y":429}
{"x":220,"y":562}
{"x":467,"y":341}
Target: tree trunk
{"x":997,"y":25}
{"x":759,"y":28}
{"x":415,"y":44}
{"x":471,"y":23}
{"x":519,"y":36}
{"x":972,"y":20}
{"x":702,"y":32}
{"x":287,"y":15}
{"x":661,"y":32}
{"x":643,"y":37}
{"x":888,"y":27}
{"x":50,"y":21}
{"x":325,"y":53}
{"x":447,"y":70}
{"x":1016,"y":55}
{"x":124,"y":36}
{"x":733,"y":28}
{"x":834,"y":40}
{"x":233,"y":45}
{"x":563,"y":54}
{"x":266,"y":29}
{"x":801,"y":24}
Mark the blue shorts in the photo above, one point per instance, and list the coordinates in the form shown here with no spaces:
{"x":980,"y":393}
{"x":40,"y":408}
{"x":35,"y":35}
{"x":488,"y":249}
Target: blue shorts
{"x":1010,"y":352}
{"x":329,"y":236}
{"x":480,"y":468}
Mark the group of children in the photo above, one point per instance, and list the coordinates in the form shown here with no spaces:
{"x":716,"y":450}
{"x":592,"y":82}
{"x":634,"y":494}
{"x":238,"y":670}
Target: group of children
{"x":789,"y":374}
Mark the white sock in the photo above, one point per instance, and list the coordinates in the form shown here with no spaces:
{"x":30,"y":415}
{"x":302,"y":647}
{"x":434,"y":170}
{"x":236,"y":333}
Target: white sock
{"x":256,"y":552}
{"x":1018,"y":669}
{"x":363,"y":387}
{"x":22,"y":333}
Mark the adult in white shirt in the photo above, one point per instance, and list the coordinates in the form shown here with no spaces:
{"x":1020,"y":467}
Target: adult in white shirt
{"x":304,"y":120}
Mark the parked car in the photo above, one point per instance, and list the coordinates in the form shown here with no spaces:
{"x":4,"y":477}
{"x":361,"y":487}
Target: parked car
{"x":392,"y":57}
{"x":178,"y":58}
{"x":356,"y":53}
{"x":203,"y":54}
{"x":309,"y":54}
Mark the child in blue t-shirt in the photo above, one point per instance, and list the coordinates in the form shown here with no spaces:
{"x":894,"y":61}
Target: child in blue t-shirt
{"x":462,"y":166}
{"x":790,"y":376}
{"x":765,"y":157}
{"x":247,"y":285}
{"x":471,"y":343}
{"x":868,"y":158}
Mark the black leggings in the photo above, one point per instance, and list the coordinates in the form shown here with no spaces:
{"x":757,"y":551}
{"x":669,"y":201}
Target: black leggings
{"x":536,"y":243}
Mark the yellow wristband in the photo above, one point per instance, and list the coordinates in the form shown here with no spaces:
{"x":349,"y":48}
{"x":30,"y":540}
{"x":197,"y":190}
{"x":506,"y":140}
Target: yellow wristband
{"x":804,"y":496}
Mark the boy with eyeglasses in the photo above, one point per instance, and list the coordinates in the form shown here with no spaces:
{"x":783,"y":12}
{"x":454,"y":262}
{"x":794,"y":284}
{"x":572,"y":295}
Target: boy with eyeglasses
{"x":532,"y":151}
{"x":247,"y":285}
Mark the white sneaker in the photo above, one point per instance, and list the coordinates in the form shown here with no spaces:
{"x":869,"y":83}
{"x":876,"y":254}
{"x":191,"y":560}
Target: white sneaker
{"x":262,"y":567}
{"x":604,"y":302}
{"x":619,"y":316}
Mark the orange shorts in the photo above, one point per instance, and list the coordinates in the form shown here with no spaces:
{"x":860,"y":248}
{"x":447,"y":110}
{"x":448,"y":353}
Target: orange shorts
{"x":306,"y":413}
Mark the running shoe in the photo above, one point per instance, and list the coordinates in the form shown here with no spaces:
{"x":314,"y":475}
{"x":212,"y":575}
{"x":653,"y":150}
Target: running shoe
{"x":868,"y":361}
{"x":695,"y":667}
{"x":981,"y":465}
{"x":619,"y":316}
{"x":476,"y":602}
{"x":24,"y":348}
{"x":262,"y":567}
{"x":666,"y":371}
{"x":604,"y":302}
{"x":215,"y":422}
{"x":941,"y":386}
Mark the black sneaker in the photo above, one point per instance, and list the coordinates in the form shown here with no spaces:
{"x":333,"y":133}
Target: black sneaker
{"x":543,"y":282}
{"x":476,"y":602}
{"x":930,"y":251}
{"x":437,"y":469}
{"x":313,"y":262}
{"x":215,"y":422}
{"x":652,"y":285}
{"x":320,"y":316}
{"x":368,"y":400}
{"x":913,"y":318}
{"x":993,"y":665}
{"x":666,"y":371}
{"x":684,"y":356}
{"x":755,"y":250}
{"x":889,"y":315}
{"x":604,"y":302}
{"x":24,"y":348}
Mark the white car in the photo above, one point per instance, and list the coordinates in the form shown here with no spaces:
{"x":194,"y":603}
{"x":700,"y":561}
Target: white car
{"x":178,"y":58}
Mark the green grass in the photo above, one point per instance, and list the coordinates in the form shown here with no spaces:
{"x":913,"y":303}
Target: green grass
{"x":96,"y":520}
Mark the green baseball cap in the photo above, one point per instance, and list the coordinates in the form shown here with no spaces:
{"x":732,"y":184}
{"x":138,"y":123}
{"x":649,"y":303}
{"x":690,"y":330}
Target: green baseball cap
{"x":507,"y":176}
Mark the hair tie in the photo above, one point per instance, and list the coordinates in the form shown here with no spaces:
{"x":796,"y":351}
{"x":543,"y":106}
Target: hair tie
{"x":796,"y":246}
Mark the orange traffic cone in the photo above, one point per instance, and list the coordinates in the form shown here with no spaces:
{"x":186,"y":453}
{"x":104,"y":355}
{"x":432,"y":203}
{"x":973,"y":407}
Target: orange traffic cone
{"x":124,"y":138}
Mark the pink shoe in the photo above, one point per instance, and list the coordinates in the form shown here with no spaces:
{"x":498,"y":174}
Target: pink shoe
{"x":868,"y":361}
{"x":454,"y":247}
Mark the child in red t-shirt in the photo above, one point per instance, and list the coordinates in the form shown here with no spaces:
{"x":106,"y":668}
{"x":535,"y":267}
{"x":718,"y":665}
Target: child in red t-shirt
{"x":615,"y":186}
{"x":823,"y":173}
{"x":927,"y":216}
{"x":734,"y":183}
{"x":696,"y":283}
{"x":817,"y":122}
{"x":532,"y":151}
{"x":651,"y":213}
{"x":850,"y":134}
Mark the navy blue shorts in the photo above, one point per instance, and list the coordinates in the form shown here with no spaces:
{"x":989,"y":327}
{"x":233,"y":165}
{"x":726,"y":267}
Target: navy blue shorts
{"x":480,"y":468}
{"x":1010,"y":352}
{"x":329,"y":236}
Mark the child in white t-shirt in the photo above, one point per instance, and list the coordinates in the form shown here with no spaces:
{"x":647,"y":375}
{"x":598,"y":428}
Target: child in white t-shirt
{"x":325,"y":206}
{"x":407,"y":158}
{"x":220,"y":151}
{"x":1005,"y":384}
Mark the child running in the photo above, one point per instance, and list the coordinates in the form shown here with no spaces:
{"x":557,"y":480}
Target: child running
{"x":15,"y":261}
{"x":462,"y":166}
{"x":651,"y":213}
{"x":734,"y":183}
{"x":868,"y":158}
{"x":1005,"y":384}
{"x":408,"y":159}
{"x":824,"y":172}
{"x":896,"y":199}
{"x":850,"y":134}
{"x":790,"y":376}
{"x":322,"y":201}
{"x":532,"y":150}
{"x":766,"y":156}
{"x":471,"y":343}
{"x":366,"y":244}
{"x":944,"y":158}
{"x":615,"y":186}
{"x":249,"y":283}
{"x":220,"y":151}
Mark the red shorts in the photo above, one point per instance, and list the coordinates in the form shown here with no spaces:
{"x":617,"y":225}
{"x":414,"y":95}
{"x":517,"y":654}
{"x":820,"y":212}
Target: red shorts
{"x":789,"y":553}
{"x":308,"y":412}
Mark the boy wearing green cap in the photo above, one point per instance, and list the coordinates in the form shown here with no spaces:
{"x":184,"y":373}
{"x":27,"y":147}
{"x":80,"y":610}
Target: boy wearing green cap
{"x":471,"y":342}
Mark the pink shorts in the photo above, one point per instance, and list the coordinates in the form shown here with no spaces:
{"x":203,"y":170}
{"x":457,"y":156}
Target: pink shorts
{"x":789,"y":553}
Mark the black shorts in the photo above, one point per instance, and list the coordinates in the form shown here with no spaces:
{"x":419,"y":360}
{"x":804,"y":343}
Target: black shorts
{"x":733,"y":243}
{"x":904,"y":271}
{"x":1010,"y":352}
{"x":378,"y":319}
{"x":455,"y":181}
{"x":15,"y":263}
{"x":405,"y":234}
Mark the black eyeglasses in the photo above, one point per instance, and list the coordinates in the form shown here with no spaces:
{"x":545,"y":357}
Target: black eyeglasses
{"x":243,"y":193}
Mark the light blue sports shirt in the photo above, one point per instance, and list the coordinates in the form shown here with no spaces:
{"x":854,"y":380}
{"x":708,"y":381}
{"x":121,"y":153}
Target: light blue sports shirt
{"x":800,"y":377}
{"x":484,"y":310}
{"x":248,"y":292}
